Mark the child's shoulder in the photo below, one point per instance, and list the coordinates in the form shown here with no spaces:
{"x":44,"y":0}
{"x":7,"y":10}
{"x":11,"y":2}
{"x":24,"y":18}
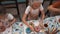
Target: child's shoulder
{"x":28,"y":6}
{"x":8,"y":14}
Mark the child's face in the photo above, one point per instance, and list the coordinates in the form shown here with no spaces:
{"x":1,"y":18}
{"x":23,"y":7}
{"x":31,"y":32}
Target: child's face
{"x":36,"y":5}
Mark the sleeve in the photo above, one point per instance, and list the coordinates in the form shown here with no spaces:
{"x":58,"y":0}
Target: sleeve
{"x":41,"y":7}
{"x":10,"y":16}
{"x":56,"y":4}
{"x":27,"y":10}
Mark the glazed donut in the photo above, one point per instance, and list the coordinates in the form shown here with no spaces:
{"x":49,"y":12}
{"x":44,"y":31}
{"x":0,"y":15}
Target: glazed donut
{"x":37,"y":29}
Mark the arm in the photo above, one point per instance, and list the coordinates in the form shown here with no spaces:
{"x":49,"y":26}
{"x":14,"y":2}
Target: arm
{"x":24,"y":19}
{"x":25,"y":15}
{"x":42,"y":14}
{"x":11,"y":19}
{"x":12,"y":22}
{"x":53,"y":8}
{"x":25,"y":22}
{"x":42,"y":18}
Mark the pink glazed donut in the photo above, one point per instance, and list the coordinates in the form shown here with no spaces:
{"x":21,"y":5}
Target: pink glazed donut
{"x":37,"y":28}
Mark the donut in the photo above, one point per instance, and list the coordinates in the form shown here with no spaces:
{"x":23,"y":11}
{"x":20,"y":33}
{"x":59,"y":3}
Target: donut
{"x":45,"y":25}
{"x":37,"y":29}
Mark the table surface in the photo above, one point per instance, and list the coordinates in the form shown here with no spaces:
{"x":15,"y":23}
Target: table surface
{"x":20,"y":28}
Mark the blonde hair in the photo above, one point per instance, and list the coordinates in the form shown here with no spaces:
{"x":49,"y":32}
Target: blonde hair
{"x":32,"y":1}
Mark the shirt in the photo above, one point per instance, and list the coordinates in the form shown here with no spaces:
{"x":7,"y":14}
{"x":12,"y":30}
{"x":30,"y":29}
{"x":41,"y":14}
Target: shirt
{"x":33,"y":11}
{"x":8,"y":30}
{"x":10,"y":16}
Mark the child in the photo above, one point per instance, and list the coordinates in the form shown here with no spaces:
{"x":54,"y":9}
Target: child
{"x":55,"y":8}
{"x":7,"y":20}
{"x":32,"y":11}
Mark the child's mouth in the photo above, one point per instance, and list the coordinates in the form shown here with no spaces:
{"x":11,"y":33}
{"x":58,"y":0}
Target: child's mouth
{"x":2,"y":28}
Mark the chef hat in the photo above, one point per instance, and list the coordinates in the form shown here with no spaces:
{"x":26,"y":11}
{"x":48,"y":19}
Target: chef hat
{"x":32,"y":1}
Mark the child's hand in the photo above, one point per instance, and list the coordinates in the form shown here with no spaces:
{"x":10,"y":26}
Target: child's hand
{"x":41,"y":24}
{"x":32,"y":28}
{"x":9,"y":25}
{"x":37,"y":28}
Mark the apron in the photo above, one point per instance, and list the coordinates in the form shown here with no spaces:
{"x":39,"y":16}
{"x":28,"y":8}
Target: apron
{"x":33,"y":17}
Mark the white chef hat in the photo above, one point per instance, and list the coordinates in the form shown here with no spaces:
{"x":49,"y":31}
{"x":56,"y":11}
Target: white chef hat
{"x":32,"y":1}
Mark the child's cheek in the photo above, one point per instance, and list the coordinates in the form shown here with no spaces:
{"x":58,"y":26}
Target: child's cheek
{"x":1,"y":24}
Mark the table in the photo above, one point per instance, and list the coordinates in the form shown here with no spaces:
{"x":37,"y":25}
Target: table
{"x":20,"y":28}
